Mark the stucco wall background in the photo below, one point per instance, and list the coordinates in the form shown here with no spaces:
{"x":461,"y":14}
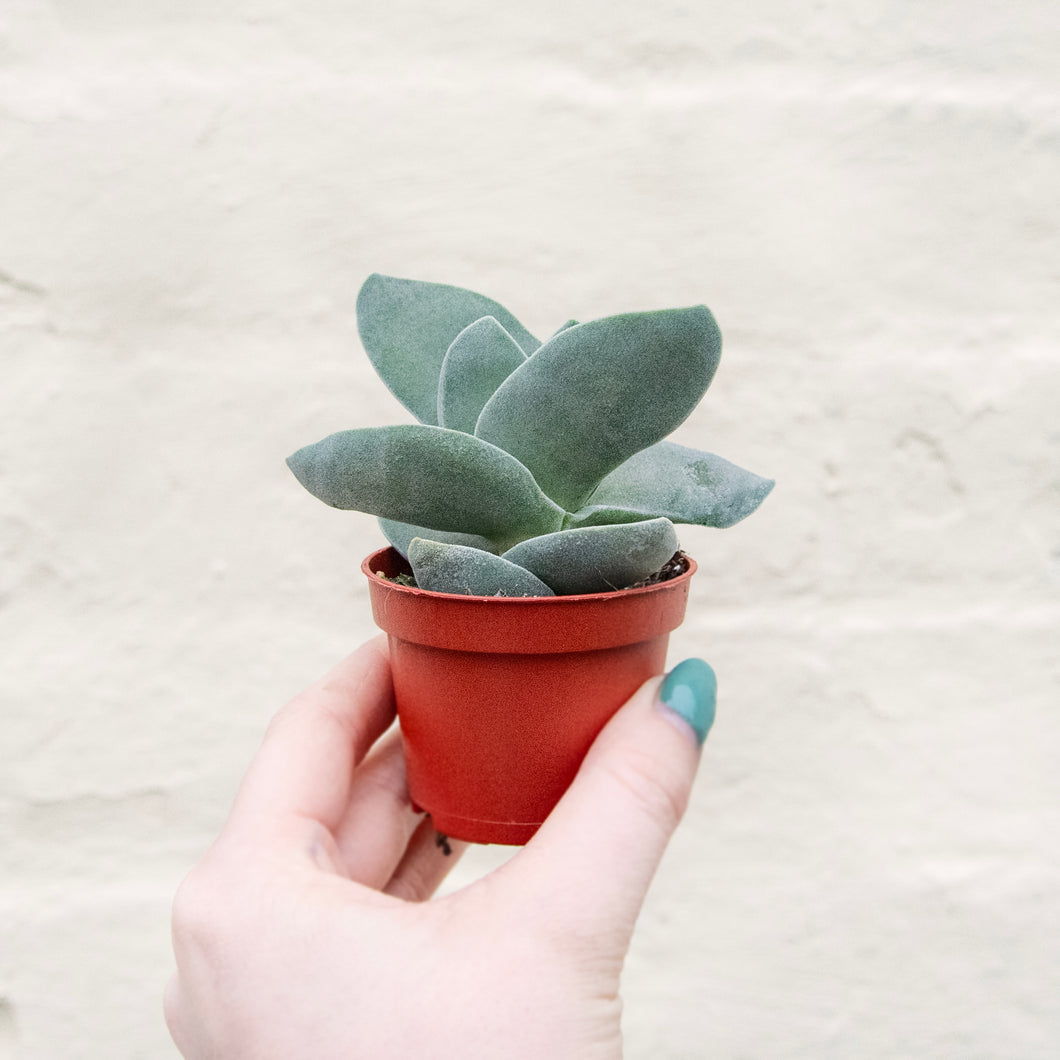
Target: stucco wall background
{"x":864,"y":193}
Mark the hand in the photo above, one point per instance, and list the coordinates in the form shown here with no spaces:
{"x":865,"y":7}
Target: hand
{"x":305,"y":932}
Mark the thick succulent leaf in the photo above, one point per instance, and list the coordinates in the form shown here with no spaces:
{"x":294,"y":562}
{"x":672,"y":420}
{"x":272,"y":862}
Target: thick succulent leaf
{"x":685,"y":485}
{"x":597,"y":393}
{"x":597,"y":558}
{"x":400,"y":535}
{"x":563,"y":327}
{"x":443,"y":568}
{"x":481,"y":357}
{"x":428,"y":476}
{"x":407,"y":326}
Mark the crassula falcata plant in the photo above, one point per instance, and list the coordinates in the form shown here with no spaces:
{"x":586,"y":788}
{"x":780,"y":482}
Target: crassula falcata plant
{"x":536,"y":468}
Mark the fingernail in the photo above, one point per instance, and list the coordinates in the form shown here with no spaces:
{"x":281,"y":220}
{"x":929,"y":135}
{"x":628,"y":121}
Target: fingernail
{"x":690,"y":690}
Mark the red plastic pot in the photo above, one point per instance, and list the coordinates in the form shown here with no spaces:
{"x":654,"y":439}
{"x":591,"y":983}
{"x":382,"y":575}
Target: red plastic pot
{"x":499,"y":698}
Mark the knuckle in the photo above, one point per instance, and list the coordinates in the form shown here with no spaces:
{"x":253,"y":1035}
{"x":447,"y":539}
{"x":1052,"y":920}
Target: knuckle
{"x":411,"y":886}
{"x":172,"y":1008}
{"x":191,"y":908}
{"x":287,"y":714}
{"x":318,"y":707}
{"x":651,"y":787}
{"x":326,"y":710}
{"x":202,"y":913}
{"x":386,"y":776}
{"x":404,"y":889}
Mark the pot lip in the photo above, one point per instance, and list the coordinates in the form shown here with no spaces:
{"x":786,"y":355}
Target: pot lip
{"x":616,"y":594}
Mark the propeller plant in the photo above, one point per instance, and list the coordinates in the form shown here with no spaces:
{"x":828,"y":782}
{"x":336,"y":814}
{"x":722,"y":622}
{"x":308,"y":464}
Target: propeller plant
{"x":536,"y":469}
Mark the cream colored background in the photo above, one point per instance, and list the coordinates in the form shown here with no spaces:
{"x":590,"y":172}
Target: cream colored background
{"x":865,"y":194}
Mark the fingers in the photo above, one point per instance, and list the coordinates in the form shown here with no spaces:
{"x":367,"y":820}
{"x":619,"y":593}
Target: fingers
{"x":600,"y":848}
{"x":379,"y":819}
{"x":305,"y":766}
{"x":427,"y":862}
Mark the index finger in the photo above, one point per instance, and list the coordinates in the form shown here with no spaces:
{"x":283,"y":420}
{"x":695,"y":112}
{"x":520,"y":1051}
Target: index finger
{"x":305,"y":765}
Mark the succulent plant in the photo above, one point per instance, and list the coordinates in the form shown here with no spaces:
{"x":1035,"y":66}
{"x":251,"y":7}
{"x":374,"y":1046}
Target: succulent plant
{"x":536,"y":469}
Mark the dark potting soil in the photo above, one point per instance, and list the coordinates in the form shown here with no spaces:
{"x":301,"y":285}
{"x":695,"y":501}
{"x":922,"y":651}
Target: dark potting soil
{"x":676,"y":565}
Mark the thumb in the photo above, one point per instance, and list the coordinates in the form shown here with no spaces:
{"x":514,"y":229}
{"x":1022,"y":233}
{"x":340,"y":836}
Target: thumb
{"x":604,"y":840}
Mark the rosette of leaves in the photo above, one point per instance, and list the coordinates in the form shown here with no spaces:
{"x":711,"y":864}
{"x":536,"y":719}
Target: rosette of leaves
{"x":536,"y":468}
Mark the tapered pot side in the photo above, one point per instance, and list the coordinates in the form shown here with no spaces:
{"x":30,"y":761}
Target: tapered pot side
{"x":500,"y":698}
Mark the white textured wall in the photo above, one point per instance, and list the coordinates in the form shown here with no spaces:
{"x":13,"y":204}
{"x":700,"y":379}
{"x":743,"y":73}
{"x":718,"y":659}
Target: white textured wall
{"x":865,"y":193}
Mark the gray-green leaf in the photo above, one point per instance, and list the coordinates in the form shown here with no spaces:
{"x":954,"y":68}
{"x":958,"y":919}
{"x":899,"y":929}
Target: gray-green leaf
{"x":428,"y":476}
{"x":685,"y":485}
{"x":443,"y":568}
{"x":481,"y":357}
{"x":407,"y":326}
{"x":597,"y":393}
{"x":563,"y":327}
{"x":400,"y":535}
{"x":598,"y":558}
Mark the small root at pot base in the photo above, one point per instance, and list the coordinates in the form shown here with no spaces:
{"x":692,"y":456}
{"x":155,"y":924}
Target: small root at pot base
{"x":442,"y":842}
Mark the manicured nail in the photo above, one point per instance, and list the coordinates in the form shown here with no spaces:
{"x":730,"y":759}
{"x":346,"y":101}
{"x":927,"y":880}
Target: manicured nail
{"x":691,"y":691}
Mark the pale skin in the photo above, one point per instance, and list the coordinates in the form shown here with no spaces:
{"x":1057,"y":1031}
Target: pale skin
{"x":307,"y":930}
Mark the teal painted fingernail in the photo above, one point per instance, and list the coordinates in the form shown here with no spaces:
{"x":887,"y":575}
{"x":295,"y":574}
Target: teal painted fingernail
{"x":691,"y":691}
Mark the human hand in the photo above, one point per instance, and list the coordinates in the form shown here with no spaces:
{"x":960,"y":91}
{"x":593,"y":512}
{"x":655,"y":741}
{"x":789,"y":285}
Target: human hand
{"x":305,"y":932}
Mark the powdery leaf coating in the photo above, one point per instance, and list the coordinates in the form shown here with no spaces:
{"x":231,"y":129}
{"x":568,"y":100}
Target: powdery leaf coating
{"x":685,"y":485}
{"x":408,"y":325}
{"x":443,"y":568}
{"x":599,"y":558}
{"x":481,"y":357}
{"x":427,"y":475}
{"x":597,"y":393}
{"x":400,"y":535}
{"x":557,"y":453}
{"x":563,"y":327}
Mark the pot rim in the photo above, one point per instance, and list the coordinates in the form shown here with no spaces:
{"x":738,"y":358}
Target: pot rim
{"x":412,"y":591}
